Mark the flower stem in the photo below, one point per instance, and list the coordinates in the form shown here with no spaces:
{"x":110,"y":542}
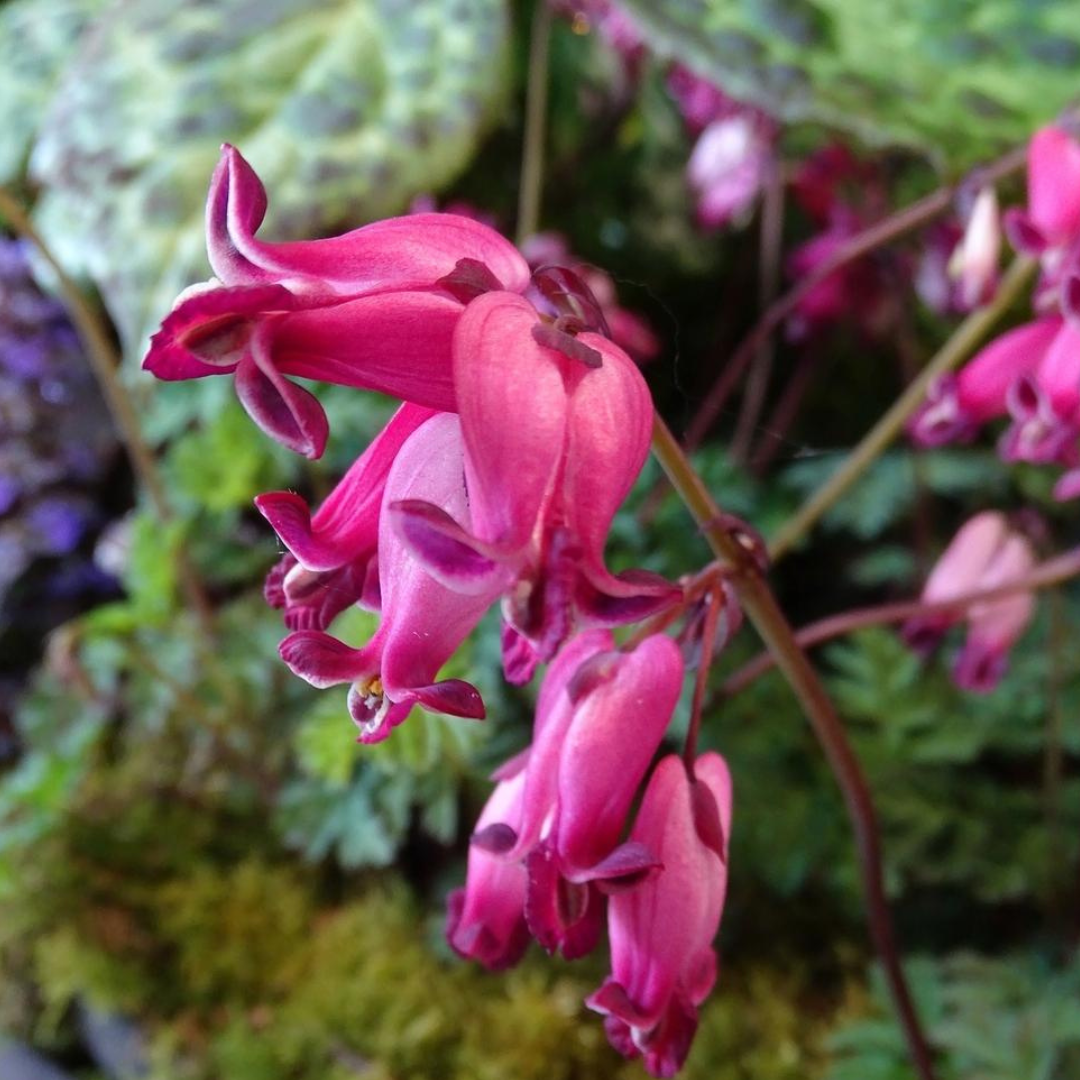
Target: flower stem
{"x":714,"y":606}
{"x":536,"y":95}
{"x":957,"y":349}
{"x":875,"y":236}
{"x":1045,"y":576}
{"x":761,"y":608}
{"x":104,"y":363}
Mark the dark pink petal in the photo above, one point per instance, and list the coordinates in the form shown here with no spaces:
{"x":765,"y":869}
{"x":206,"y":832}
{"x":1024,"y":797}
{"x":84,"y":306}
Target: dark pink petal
{"x":1024,"y":235}
{"x":453,"y":557}
{"x":627,"y":866}
{"x":323,"y":660}
{"x":513,"y":415}
{"x":599,"y":768}
{"x":1058,"y":372}
{"x":286,"y":412}
{"x":563,"y":917}
{"x":208,"y":331}
{"x":410,"y":252}
{"x":454,"y":697}
{"x":1054,"y":184}
{"x":984,"y":382}
{"x":397,"y":343}
{"x":486,"y":920}
{"x":346,"y":524}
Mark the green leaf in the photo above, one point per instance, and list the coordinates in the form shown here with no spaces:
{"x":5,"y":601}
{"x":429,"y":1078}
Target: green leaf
{"x":957,"y":80}
{"x":346,"y":108}
{"x":37,"y":38}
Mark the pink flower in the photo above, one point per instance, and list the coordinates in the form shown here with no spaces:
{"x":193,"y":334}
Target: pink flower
{"x":1050,"y":227}
{"x":662,"y":960}
{"x":733,"y":155}
{"x":994,"y":626}
{"x":984,"y":554}
{"x":1044,"y":403}
{"x":957,"y":405}
{"x":331,"y":562}
{"x":600,"y":719}
{"x":374,"y":308}
{"x":553,"y":442}
{"x":485,"y":921}
{"x":422,"y":621}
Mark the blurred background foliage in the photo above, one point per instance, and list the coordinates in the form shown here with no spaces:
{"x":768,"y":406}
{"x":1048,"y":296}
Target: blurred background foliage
{"x":201,"y":875}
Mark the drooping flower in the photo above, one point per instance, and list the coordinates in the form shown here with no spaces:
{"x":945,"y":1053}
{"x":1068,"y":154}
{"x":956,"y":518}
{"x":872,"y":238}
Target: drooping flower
{"x":733,"y":156}
{"x":984,"y":554}
{"x":553,"y":443}
{"x":422,"y":622}
{"x":485,"y":921}
{"x":374,"y":308}
{"x":958,"y":405}
{"x":600,"y":719}
{"x":331,"y":561}
{"x":661,"y":931}
{"x":1049,"y":228}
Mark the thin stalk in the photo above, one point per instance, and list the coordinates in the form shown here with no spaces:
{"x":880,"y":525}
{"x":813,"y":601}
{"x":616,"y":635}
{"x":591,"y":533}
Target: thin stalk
{"x":536,"y":98}
{"x":875,"y":236}
{"x":957,"y":349}
{"x":701,"y":681}
{"x":1047,"y":575}
{"x":757,"y":384}
{"x":761,"y":608}
{"x":104,"y":364}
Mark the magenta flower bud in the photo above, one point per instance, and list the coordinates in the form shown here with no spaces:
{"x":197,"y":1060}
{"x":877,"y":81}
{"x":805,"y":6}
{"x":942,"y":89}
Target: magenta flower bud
{"x":375,"y":308}
{"x":485,"y":921}
{"x":422,"y":621}
{"x":662,"y":960}
{"x":544,"y":481}
{"x":1052,"y":219}
{"x":582,"y":775}
{"x":331,"y":562}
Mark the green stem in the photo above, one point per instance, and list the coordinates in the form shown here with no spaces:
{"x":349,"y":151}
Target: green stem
{"x":761,"y":608}
{"x":536,"y":95}
{"x":958,"y":348}
{"x":104,"y":364}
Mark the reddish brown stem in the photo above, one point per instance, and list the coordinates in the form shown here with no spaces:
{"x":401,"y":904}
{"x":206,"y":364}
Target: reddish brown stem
{"x":875,"y":236}
{"x":1045,"y":576}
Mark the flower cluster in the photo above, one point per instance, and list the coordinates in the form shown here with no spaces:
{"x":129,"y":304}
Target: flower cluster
{"x":1030,"y":374}
{"x":522,"y":428}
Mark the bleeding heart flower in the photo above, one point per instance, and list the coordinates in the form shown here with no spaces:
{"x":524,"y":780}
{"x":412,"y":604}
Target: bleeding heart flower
{"x":331,"y":562}
{"x":662,"y":961}
{"x":374,"y":308}
{"x":422,"y":621}
{"x":557,"y":425}
{"x":600,"y":719}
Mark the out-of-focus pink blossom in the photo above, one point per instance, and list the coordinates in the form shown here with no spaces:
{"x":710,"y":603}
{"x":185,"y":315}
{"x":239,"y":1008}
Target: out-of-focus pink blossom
{"x":374,"y":308}
{"x":423,"y":622}
{"x":733,"y":156}
{"x":553,"y":443}
{"x":854,"y":293}
{"x":984,"y":554}
{"x":485,"y":920}
{"x":662,"y":959}
{"x":1050,"y":226}
{"x":958,"y":405}
{"x":974,"y":264}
